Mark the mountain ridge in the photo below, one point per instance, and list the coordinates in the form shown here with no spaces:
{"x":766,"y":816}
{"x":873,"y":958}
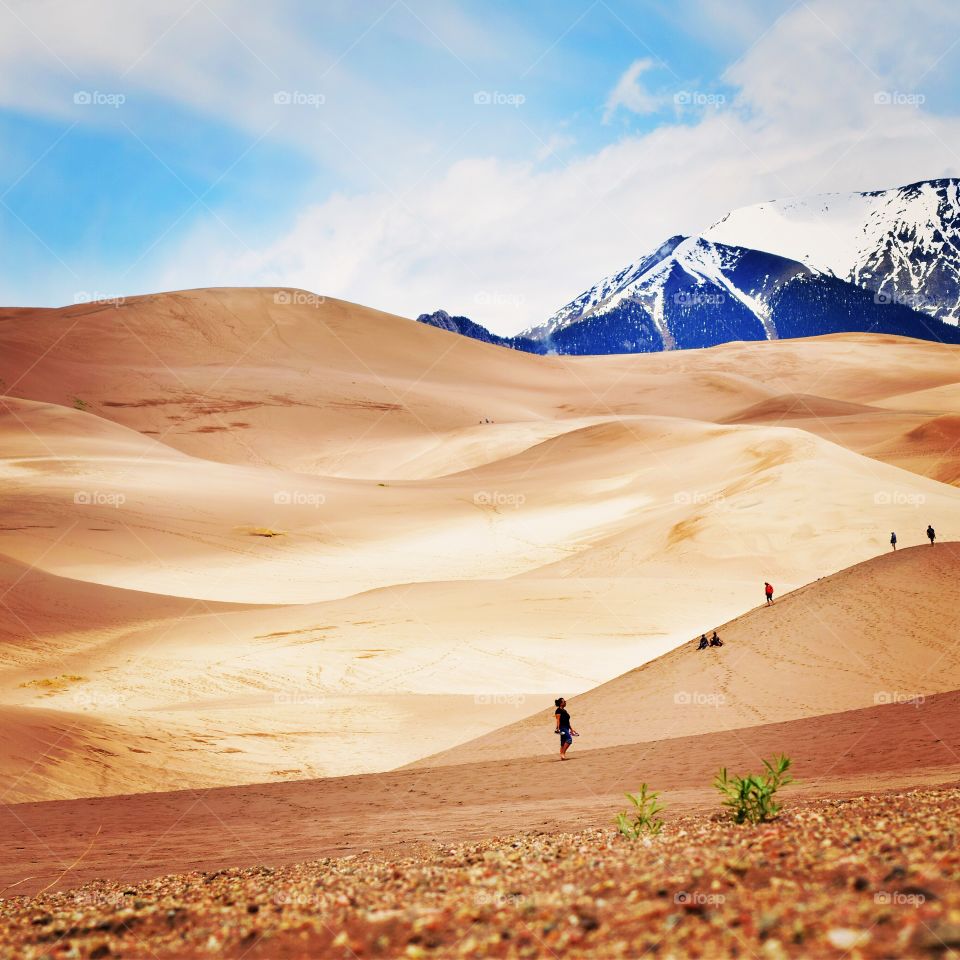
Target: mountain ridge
{"x":885,"y":261}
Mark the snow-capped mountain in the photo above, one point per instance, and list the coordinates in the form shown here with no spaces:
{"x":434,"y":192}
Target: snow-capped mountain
{"x":609,"y":287}
{"x":736,"y":279}
{"x":886,"y":261}
{"x":903,"y":244}
{"x":686,"y":289}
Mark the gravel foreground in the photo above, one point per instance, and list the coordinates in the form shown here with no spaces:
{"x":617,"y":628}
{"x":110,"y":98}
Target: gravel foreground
{"x":874,"y":876}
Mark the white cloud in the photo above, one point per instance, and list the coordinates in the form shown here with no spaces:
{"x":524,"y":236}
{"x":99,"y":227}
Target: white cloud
{"x":226,"y":61}
{"x":630,"y":94}
{"x":821,"y":66}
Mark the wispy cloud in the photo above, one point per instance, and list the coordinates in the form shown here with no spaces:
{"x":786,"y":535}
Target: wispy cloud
{"x":630,"y":94}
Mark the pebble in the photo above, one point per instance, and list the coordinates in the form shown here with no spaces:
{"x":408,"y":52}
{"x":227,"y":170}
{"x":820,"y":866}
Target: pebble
{"x":940,"y":936}
{"x":843,"y":938}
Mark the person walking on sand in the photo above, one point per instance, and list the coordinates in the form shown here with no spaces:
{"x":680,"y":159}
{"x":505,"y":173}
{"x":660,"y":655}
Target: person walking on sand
{"x":715,"y":641}
{"x":704,"y":643}
{"x":893,"y":540}
{"x":566,"y":731}
{"x":931,"y":533}
{"x":768,"y":592}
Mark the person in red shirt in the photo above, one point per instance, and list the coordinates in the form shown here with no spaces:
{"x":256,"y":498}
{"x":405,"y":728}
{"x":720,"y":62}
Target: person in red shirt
{"x":768,"y":591}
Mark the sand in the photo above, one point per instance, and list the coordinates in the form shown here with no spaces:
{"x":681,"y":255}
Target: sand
{"x":884,"y":631}
{"x":283,"y":578}
{"x":442,"y":861}
{"x":271,"y":536}
{"x":869,"y":876}
{"x":887,"y":747}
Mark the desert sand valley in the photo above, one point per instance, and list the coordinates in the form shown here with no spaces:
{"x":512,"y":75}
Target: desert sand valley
{"x":286,"y":578}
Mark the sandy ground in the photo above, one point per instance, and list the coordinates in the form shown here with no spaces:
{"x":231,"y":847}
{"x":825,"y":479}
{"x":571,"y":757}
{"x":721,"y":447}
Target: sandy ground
{"x":892,"y":746}
{"x":869,"y":876}
{"x":256,"y":535}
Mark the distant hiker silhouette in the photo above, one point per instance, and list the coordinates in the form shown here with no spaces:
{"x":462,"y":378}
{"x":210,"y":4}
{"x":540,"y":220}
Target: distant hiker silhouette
{"x":715,"y":641}
{"x":932,"y":534}
{"x":768,"y":592}
{"x":893,"y":540}
{"x":564,"y":728}
{"x":704,"y":643}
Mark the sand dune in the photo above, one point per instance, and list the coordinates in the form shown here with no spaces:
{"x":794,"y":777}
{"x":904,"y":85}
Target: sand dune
{"x":46,"y":615}
{"x":247,"y":376}
{"x":312,"y":683}
{"x":799,"y":406}
{"x":929,"y":448}
{"x":82,"y":752}
{"x":930,"y":400}
{"x":883,"y":631}
{"x":650,"y":491}
{"x":368,"y":683}
{"x":913,"y":440}
{"x":278,"y":532}
{"x":202,"y":370}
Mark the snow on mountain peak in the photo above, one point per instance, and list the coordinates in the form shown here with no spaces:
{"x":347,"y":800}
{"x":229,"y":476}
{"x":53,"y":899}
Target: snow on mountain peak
{"x":902,"y":243}
{"x":600,"y":295}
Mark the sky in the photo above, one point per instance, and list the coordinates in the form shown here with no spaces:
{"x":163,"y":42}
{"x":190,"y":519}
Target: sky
{"x":491,"y":159}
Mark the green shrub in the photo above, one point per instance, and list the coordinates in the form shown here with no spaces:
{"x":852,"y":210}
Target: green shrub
{"x":750,"y":798}
{"x":644,"y":820}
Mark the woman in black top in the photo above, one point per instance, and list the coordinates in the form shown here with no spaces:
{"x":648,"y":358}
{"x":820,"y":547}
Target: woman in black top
{"x":566,"y":731}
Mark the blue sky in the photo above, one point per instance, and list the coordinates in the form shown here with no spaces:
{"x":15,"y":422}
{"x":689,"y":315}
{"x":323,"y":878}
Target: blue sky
{"x":414,"y":154}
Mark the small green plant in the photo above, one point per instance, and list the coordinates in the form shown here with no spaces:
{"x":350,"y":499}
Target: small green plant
{"x":646,"y":806}
{"x":750,"y":798}
{"x":79,"y":404}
